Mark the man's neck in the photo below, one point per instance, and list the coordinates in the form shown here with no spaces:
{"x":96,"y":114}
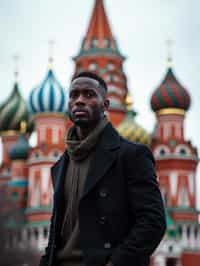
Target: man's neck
{"x":83,"y":132}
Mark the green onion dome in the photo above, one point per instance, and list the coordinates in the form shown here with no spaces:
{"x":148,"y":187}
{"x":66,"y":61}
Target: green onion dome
{"x":132,"y":131}
{"x":170,"y":94}
{"x":13,"y":111}
{"x":20,"y":149}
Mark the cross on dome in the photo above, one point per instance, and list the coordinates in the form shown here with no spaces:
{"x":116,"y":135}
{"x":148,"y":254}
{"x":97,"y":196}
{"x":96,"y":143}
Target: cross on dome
{"x":169,"y":44}
{"x":16,"y":67}
{"x":51,"y":53}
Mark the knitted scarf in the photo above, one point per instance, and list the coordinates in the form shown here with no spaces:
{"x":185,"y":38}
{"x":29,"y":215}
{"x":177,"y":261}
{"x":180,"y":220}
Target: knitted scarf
{"x":79,"y":152}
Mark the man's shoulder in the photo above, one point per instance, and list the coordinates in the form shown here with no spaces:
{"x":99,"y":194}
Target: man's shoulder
{"x":133,"y":146}
{"x":125,"y":144}
{"x":134,"y":149}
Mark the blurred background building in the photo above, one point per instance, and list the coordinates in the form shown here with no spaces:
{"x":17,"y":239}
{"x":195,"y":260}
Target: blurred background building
{"x":26,"y":170}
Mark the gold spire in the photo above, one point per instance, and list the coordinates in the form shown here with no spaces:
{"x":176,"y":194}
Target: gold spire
{"x":169,"y":44}
{"x":129,"y":102}
{"x":51,"y":53}
{"x":16,"y":67}
{"x":23,"y":127}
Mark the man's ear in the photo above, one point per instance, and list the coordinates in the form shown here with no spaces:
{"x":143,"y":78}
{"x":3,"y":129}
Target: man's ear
{"x":106,"y":104}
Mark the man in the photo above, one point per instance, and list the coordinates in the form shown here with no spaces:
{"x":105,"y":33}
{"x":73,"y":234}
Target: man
{"x":107,"y":205}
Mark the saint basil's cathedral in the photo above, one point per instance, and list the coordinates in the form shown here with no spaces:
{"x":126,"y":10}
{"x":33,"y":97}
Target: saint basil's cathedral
{"x":25,"y":170}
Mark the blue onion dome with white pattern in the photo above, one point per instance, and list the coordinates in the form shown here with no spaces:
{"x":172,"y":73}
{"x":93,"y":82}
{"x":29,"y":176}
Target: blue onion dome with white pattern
{"x":49,"y":96}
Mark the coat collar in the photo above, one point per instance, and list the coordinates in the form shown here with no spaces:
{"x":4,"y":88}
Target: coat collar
{"x":104,"y":156}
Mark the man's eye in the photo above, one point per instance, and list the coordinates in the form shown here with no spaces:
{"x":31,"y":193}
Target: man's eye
{"x":90,"y":94}
{"x":73,"y":95}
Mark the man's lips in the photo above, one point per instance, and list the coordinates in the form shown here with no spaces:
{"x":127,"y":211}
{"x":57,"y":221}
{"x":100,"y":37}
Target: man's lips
{"x":80,"y":112}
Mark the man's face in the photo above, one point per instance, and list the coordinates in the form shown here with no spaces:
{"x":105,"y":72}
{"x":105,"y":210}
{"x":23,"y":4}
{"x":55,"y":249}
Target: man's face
{"x":86,"y":102}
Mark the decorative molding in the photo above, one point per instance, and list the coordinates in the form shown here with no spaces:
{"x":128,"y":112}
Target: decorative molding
{"x":171,"y":111}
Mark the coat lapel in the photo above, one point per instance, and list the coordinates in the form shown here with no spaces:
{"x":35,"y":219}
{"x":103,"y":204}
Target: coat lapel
{"x":105,"y":155}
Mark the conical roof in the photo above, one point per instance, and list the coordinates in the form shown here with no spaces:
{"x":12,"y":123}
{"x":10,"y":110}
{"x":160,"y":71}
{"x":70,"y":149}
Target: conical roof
{"x":49,"y":96}
{"x":13,"y":111}
{"x":99,"y":37}
{"x":170,"y":94}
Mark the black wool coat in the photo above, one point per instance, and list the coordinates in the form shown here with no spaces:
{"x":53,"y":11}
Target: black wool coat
{"x":121,"y":213}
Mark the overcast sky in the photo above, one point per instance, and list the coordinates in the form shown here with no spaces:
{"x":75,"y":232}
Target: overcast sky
{"x":141,"y":29}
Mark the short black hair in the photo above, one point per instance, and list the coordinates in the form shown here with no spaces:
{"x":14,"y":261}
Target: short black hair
{"x":87,"y":74}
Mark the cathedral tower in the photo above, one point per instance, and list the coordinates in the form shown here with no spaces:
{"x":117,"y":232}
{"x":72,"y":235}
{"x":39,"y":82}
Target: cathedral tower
{"x":176,"y":164}
{"x":99,"y":53}
{"x":47,"y":103}
{"x":13,"y":111}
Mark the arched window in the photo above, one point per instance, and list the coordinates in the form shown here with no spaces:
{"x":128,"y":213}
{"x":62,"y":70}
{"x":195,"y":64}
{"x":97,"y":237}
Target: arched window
{"x":36,"y":155}
{"x":161,"y":151}
{"x":45,"y":232}
{"x":110,"y":66}
{"x":92,"y":66}
{"x":28,"y":234}
{"x":107,"y":43}
{"x":183,"y":198}
{"x":188,"y":231}
{"x":196,"y":232}
{"x":180,"y":230}
{"x":182,"y":150}
{"x":36,"y":233}
{"x":94,"y":43}
{"x":164,"y":194}
{"x":37,"y":195}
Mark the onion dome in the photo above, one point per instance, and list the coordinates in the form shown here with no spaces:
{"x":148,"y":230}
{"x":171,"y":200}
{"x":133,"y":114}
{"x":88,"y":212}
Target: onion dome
{"x":19,"y":150}
{"x":131,"y":130}
{"x":170,"y":94}
{"x":13,"y":111}
{"x":49,"y":96}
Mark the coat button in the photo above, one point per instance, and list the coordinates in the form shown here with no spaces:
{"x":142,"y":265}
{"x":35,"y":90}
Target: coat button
{"x":107,"y":245}
{"x":103,"y":193}
{"x":102,"y":220}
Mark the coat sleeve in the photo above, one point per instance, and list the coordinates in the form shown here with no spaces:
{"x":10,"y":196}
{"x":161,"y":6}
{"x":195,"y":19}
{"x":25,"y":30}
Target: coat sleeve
{"x":146,"y":206}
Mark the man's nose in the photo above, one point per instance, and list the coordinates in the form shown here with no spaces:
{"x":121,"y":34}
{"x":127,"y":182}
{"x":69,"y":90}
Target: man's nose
{"x":80,"y":99}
